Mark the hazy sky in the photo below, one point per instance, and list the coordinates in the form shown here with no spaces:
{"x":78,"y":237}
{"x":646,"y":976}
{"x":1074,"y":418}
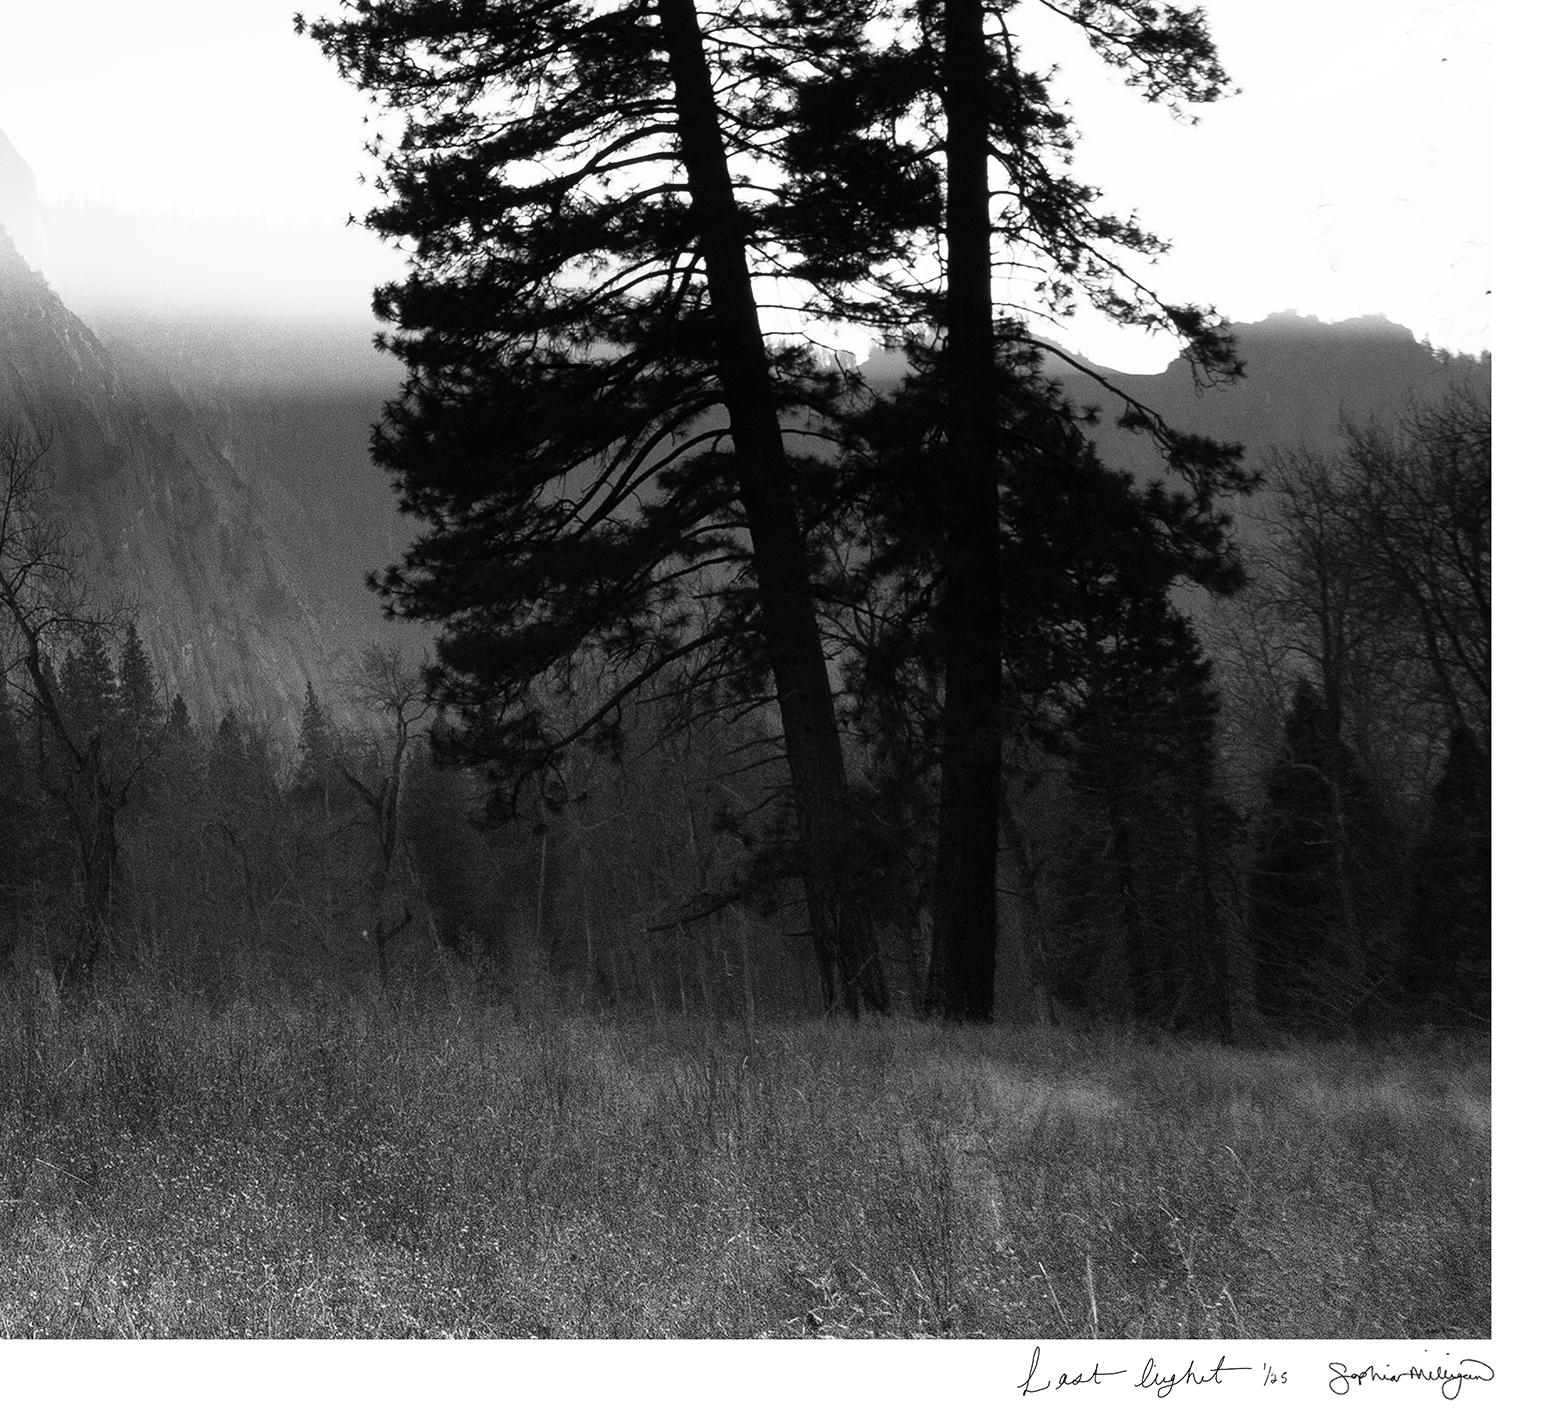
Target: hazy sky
{"x":196,"y":154}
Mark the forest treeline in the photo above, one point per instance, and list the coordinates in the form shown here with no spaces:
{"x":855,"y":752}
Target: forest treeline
{"x":1294,"y":833}
{"x":920,"y":655}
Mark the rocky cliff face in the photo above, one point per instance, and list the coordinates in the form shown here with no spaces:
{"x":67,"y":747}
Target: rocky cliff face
{"x":1302,"y":377}
{"x":169,"y":521}
{"x":20,"y":212}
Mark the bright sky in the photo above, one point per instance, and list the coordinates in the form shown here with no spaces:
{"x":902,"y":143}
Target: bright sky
{"x":197,"y":155}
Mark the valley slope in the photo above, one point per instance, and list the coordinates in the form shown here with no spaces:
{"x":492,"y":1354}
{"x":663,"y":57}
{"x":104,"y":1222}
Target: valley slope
{"x":171,"y":524}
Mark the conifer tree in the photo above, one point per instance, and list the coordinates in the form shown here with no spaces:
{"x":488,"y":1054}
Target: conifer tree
{"x":591,"y":427}
{"x":1323,"y":878}
{"x":1148,"y":819}
{"x":45,"y":616}
{"x":316,"y":771}
{"x":89,"y":689}
{"x":1448,"y":937}
{"x":890,"y":159}
{"x":138,"y":703}
{"x":181,"y":729}
{"x":239,"y":766}
{"x":1087,"y":561}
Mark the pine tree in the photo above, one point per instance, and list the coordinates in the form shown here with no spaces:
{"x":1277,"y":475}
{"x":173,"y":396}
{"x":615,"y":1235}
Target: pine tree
{"x":180,"y":726}
{"x":1088,"y":559}
{"x":592,"y":423}
{"x":42,"y":610}
{"x":137,"y":695}
{"x":89,"y":689}
{"x":1149,"y":820}
{"x":315,"y":775}
{"x":239,"y":767}
{"x":874,"y":141}
{"x":1448,"y":967}
{"x":1323,"y":869}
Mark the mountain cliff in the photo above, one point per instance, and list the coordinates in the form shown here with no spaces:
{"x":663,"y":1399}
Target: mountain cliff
{"x":296,"y":400}
{"x":219,"y":481}
{"x":20,"y":211}
{"x":169,"y":521}
{"x":1302,"y":377}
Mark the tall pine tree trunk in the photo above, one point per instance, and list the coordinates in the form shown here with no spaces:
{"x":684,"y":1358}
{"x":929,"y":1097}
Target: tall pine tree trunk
{"x":840,"y":923}
{"x":961,"y":969}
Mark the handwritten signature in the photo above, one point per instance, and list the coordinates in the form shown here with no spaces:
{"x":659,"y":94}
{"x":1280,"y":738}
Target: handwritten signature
{"x":1451,"y":1381}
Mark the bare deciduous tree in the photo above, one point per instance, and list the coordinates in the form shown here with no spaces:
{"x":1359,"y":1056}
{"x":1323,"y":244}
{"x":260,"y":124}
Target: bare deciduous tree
{"x":388,"y":691}
{"x":44,"y":613}
{"x":1419,"y":511}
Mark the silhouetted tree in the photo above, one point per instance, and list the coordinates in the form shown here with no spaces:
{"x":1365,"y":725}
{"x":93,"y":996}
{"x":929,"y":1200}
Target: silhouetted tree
{"x":315,"y":776}
{"x":88,"y":690}
{"x":137,"y":695}
{"x":389,"y":692}
{"x":580,"y":308}
{"x":1088,"y":558}
{"x":1149,"y":822}
{"x":1416,"y":503}
{"x":1374,"y":580}
{"x":1449,"y":961}
{"x":82,"y":766}
{"x":1324,"y":880}
{"x":928,"y":112}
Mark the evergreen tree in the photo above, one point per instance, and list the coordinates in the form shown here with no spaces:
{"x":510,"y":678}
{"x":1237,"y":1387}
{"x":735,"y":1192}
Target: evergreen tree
{"x":239,"y":767}
{"x":315,"y":775}
{"x":1323,"y":876}
{"x":88,"y":687}
{"x":80,"y":767}
{"x":137,"y":696}
{"x":929,"y":112}
{"x":592,"y":423}
{"x":180,"y":727}
{"x":1088,"y":559}
{"x":1448,"y":967}
{"x":1148,"y":819}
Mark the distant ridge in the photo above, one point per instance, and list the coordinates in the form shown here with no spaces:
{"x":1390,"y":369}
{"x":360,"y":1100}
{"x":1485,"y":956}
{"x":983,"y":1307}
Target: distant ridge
{"x":297,"y":450}
{"x":1302,"y":376}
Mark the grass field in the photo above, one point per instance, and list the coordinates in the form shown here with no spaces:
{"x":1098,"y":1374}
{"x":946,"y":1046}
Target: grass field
{"x":171,"y":1168}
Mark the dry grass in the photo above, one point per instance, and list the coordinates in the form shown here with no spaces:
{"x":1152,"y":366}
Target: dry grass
{"x":169,"y":1168}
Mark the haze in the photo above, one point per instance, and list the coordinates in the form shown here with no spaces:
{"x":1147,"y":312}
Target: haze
{"x":200,"y":161}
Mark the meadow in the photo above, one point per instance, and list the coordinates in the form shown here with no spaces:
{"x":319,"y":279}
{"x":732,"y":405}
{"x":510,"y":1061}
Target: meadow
{"x":177,"y":1167}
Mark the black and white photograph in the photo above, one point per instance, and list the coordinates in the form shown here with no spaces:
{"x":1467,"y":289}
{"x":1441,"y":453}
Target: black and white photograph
{"x":682,"y":680}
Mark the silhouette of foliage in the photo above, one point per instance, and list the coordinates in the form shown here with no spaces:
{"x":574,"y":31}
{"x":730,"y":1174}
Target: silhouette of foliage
{"x":590,"y":427}
{"x":1449,"y":954}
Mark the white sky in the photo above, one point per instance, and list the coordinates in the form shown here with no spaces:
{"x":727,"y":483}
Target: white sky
{"x":196,"y":154}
